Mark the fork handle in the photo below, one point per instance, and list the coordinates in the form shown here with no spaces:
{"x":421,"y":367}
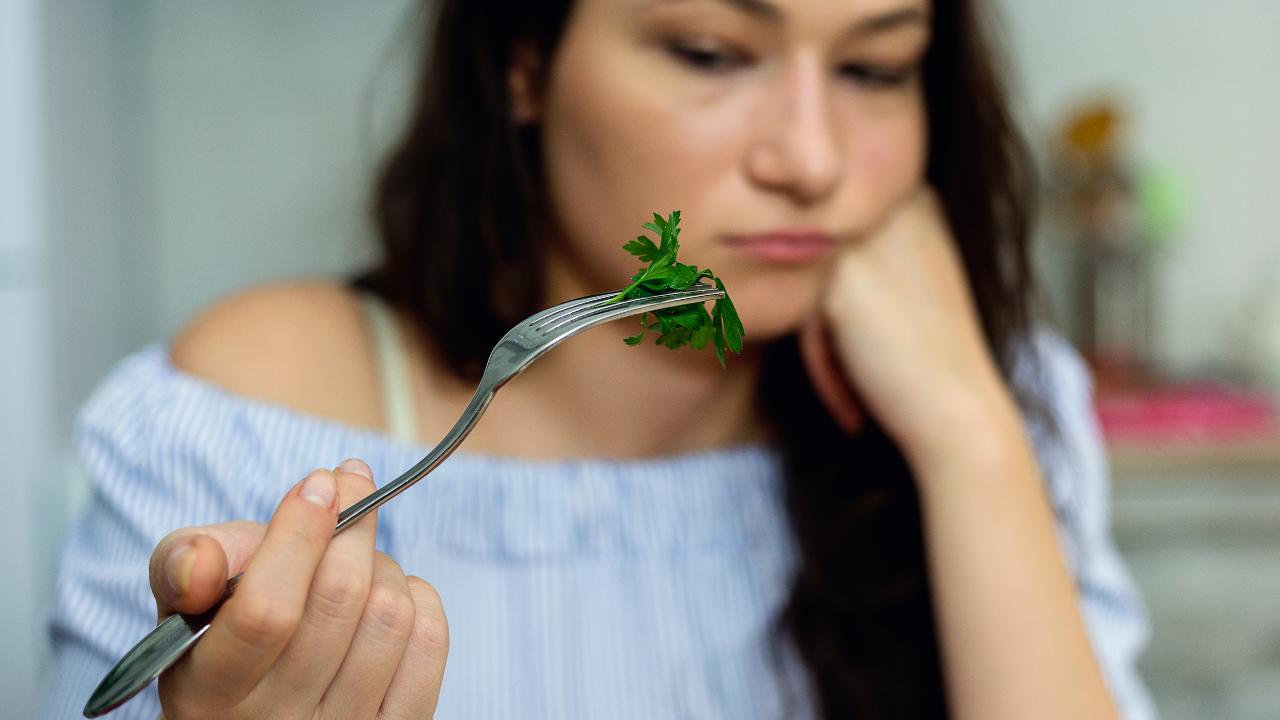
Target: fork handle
{"x":178,"y":633}
{"x":442,"y":450}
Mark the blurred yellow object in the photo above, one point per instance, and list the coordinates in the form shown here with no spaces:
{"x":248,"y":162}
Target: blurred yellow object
{"x":1093,"y":131}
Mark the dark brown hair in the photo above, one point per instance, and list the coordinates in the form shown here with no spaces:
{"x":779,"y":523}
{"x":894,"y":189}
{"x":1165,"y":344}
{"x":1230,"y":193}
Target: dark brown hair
{"x":459,"y":201}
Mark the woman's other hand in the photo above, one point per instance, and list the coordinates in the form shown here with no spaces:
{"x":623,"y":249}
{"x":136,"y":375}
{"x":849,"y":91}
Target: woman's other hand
{"x":898,"y":334}
{"x":319,"y":626}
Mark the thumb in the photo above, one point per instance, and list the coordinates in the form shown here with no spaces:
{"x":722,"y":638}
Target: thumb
{"x":828,"y":378}
{"x":190,"y":567}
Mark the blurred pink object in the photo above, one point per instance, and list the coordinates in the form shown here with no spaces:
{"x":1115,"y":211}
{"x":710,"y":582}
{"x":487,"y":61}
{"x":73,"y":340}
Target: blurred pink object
{"x":1195,"y":413}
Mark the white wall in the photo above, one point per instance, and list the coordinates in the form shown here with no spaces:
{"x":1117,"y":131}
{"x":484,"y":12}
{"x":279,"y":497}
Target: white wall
{"x":195,"y":148}
{"x":153,"y":157}
{"x":90,"y":173}
{"x":26,"y":382}
{"x":1203,"y":83}
{"x":255,"y":159}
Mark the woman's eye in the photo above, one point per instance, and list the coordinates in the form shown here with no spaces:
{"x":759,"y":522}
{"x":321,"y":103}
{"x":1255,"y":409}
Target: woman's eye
{"x":874,"y":76}
{"x":706,"y":58}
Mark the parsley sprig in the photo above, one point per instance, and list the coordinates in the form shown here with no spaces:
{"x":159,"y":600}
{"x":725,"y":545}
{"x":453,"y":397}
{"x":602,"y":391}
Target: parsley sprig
{"x":687,"y":324}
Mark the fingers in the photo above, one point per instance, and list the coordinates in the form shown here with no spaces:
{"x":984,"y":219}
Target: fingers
{"x":338,"y":596}
{"x":377,"y":648}
{"x":415,"y":689}
{"x":255,"y":623}
{"x":190,"y":566}
{"x":828,"y":378}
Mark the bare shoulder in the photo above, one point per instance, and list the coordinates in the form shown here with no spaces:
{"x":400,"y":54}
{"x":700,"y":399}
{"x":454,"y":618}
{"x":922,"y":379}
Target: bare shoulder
{"x":302,"y":344}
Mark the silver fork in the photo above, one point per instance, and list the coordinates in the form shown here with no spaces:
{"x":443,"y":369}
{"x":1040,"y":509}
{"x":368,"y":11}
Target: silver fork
{"x":523,"y":344}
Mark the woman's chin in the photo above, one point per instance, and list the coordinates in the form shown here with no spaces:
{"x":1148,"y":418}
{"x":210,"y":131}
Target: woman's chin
{"x":771,"y":310}
{"x":762,"y":333}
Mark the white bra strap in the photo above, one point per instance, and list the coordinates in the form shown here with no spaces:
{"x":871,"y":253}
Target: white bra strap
{"x":393,"y":372}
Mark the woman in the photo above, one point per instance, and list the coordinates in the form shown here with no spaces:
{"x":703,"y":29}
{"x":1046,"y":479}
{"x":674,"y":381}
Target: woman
{"x":850,"y":521}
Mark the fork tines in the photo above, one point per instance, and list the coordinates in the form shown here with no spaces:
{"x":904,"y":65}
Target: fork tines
{"x":599,"y":305}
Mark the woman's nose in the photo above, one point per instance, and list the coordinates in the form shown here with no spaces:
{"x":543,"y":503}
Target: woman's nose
{"x":796,"y":151}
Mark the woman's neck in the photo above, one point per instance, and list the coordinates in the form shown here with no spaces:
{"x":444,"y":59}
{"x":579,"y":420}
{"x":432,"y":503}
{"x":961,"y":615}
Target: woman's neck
{"x":598,"y":397}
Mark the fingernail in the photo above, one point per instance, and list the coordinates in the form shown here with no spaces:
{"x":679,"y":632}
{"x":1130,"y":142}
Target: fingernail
{"x":357,"y":466}
{"x":319,"y":488}
{"x":177,"y":569}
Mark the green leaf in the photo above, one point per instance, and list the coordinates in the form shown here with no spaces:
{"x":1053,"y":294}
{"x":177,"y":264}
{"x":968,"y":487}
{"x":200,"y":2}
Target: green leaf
{"x":678,"y":337}
{"x":683,"y":325}
{"x":689,"y":316}
{"x":701,"y":336}
{"x":644,"y":328}
{"x":665,"y":323}
{"x":732,"y":323}
{"x":717,"y":324}
{"x":658,"y":278}
{"x":643,"y":248}
{"x":668,"y":246}
{"x":683,"y":277}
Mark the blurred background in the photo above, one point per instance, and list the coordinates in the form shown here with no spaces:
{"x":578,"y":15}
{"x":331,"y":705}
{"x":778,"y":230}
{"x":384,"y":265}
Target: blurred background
{"x":155,"y":156}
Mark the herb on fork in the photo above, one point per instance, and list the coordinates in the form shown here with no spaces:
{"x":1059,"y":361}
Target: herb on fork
{"x":688,"y":324}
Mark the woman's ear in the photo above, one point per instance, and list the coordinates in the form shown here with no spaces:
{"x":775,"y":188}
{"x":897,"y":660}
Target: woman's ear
{"x":524,"y":83}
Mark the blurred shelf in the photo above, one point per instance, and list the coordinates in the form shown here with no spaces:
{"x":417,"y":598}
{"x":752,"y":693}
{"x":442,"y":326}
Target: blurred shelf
{"x":1201,"y":427}
{"x":1136,"y":458}
{"x":1196,"y":523}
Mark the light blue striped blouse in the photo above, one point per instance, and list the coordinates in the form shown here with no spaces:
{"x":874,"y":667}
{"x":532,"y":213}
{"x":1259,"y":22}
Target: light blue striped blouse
{"x":575,"y":589}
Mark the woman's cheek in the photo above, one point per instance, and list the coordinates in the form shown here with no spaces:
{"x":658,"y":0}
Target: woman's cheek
{"x":899,"y":158}
{"x":617,"y":152}
{"x":596,"y":179}
{"x":886,"y":164}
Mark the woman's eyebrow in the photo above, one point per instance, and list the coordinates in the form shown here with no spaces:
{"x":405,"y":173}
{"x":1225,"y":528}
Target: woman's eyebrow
{"x":878,"y":23}
{"x":891,"y":20}
{"x":758,"y":8}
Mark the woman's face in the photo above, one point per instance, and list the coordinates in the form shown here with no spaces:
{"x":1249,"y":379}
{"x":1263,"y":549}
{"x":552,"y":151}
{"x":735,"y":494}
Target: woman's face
{"x":781,"y":129}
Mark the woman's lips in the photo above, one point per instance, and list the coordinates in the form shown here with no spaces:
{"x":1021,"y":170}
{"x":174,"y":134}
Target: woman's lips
{"x":784,"y":246}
